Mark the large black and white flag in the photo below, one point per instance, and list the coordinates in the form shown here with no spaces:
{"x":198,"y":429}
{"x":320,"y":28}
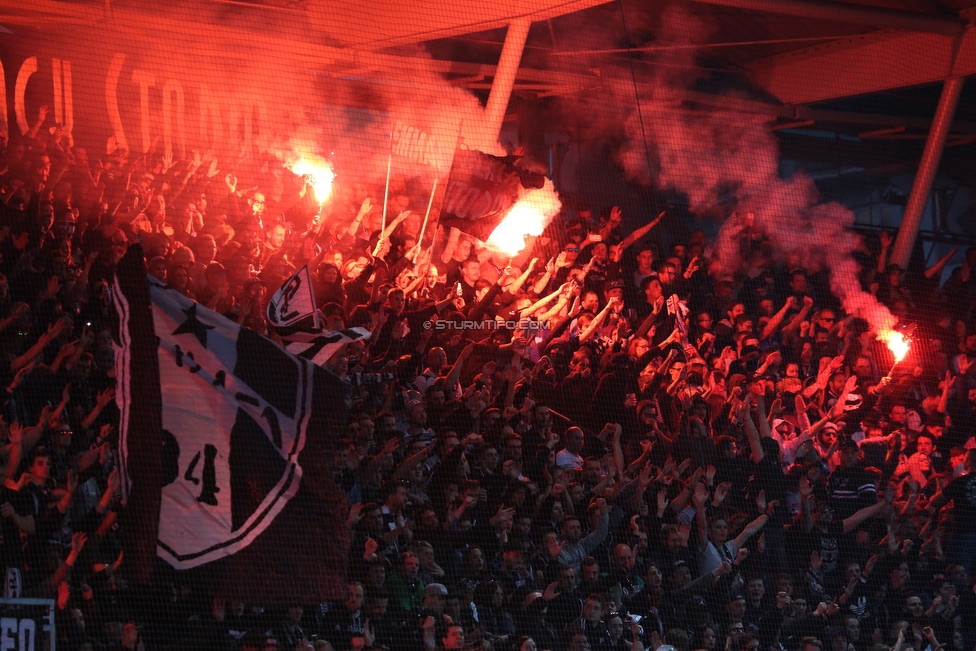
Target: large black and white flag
{"x":225,"y":439}
{"x":292,"y":308}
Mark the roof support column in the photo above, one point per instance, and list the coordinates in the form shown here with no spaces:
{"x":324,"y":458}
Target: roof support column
{"x":505,"y":73}
{"x":927,"y":169}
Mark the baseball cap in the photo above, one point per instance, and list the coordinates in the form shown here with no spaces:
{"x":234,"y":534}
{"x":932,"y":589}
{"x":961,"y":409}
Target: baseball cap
{"x":435,"y":589}
{"x":848,"y":445}
{"x":613,"y":284}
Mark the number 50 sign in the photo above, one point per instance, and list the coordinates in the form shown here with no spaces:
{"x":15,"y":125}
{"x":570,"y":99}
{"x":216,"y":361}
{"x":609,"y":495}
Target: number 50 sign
{"x":26,"y":624}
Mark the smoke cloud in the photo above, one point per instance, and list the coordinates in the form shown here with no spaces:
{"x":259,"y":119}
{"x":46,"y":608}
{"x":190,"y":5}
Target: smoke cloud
{"x":725,"y":160}
{"x":190,"y":80}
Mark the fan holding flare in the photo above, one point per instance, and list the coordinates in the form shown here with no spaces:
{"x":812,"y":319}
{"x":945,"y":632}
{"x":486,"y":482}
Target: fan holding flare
{"x":527,"y":218}
{"x":318,"y":172}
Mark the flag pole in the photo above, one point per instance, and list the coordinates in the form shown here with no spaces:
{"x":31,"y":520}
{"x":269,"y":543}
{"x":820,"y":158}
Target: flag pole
{"x":386,"y":193}
{"x":315,"y":308}
{"x":457,"y":143}
{"x":430,"y":202}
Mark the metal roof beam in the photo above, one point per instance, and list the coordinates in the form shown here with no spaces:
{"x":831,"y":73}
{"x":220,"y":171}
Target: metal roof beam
{"x":854,"y":14}
{"x":860,"y":65}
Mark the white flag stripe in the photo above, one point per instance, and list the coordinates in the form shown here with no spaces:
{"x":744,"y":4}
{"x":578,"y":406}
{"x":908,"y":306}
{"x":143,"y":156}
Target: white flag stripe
{"x":320,"y":347}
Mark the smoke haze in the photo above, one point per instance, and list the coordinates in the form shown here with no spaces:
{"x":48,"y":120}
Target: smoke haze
{"x":726,"y":161}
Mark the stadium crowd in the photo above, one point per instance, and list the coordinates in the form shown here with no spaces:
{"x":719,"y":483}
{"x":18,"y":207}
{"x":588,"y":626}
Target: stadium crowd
{"x":638,"y":455}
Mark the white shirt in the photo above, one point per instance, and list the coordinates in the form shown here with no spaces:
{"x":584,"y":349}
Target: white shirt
{"x":712,"y":557}
{"x":569,"y":461}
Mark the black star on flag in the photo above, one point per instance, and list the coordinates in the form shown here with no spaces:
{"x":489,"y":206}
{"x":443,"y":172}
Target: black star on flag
{"x":193,"y":325}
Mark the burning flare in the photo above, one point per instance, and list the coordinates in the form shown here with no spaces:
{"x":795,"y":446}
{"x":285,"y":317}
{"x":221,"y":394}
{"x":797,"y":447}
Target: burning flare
{"x":896,"y":343}
{"x":528,"y":217}
{"x":320,"y":174}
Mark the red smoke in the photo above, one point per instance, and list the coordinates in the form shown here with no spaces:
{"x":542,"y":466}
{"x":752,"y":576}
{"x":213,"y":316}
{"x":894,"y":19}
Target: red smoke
{"x":713,"y":154}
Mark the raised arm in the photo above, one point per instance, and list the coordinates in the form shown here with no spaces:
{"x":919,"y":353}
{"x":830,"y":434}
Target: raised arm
{"x":353,"y":230}
{"x":678,"y":503}
{"x":849,"y":386}
{"x":755,"y":445}
{"x":84,"y":342}
{"x":559,"y":309}
{"x":450,"y":298}
{"x":764,"y":429}
{"x":802,"y":418}
{"x":853,"y":521}
{"x":936,"y":269}
{"x":409,"y":463}
{"x":885,"y":238}
{"x":773,"y":324}
{"x":14,"y":316}
{"x":753,"y":527}
{"x":678,"y":381}
{"x":543,"y":282}
{"x":52,"y":332}
{"x":392,"y":226}
{"x":597,"y":322}
{"x":701,"y":496}
{"x":541,"y":303}
{"x":102,"y":400}
{"x":517,"y":284}
{"x":452,"y":378}
{"x":946,"y":390}
{"x":640,"y":232}
{"x":15,"y":437}
{"x":34,"y":128}
{"x":593,"y":540}
{"x":648,"y":323}
{"x":827,"y":367}
{"x":417,"y":282}
{"x":795,"y":322}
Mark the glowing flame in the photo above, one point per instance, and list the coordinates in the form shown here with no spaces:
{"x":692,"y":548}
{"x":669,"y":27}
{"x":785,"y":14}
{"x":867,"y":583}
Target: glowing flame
{"x":319,"y":171}
{"x":528,"y":217}
{"x":896,"y":343}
